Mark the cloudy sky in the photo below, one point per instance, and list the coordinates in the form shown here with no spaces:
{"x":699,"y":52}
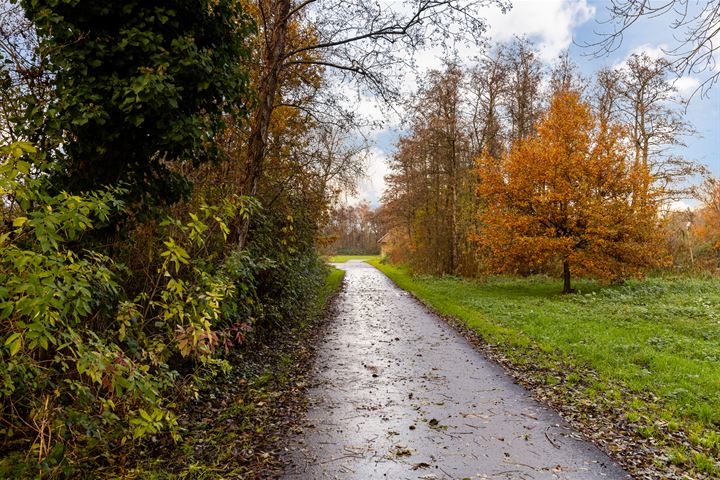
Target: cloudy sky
{"x":556,"y":25}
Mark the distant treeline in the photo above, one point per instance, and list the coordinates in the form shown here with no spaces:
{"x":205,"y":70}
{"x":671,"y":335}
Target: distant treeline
{"x":509,"y":166}
{"x":353,"y":230}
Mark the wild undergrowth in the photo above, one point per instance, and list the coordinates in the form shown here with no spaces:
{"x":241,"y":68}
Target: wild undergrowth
{"x":235,"y":427}
{"x":109,"y":326}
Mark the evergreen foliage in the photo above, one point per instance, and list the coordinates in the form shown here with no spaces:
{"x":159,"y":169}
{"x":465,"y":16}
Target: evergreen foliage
{"x":138,"y":85}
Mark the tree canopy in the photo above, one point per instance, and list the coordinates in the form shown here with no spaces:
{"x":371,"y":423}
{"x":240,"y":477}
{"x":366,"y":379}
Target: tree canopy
{"x":138,"y":85}
{"x":571,"y":194}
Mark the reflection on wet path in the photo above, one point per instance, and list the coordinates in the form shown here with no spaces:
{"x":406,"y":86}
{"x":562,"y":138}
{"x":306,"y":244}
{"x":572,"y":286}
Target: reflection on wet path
{"x":398,"y":394}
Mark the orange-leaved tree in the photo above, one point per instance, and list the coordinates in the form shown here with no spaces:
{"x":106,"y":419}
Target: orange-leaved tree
{"x":571,"y":195}
{"x":706,"y":227}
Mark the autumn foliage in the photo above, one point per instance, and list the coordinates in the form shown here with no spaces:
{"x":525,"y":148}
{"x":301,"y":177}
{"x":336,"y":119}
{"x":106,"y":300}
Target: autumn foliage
{"x":570,"y":195}
{"x":706,"y":227}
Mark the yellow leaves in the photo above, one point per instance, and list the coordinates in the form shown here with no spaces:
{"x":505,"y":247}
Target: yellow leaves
{"x":128,"y":312}
{"x":175,"y":254}
{"x":706,"y":222}
{"x":14,"y":342}
{"x":16,"y":150}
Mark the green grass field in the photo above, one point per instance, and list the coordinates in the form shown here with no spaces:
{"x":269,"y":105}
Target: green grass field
{"x":333,"y":282}
{"x":345,"y":258}
{"x":660,"y":336}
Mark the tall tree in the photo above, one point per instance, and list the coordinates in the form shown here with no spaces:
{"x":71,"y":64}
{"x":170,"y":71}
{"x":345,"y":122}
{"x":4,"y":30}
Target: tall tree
{"x":444,"y":124}
{"x":523,"y":94}
{"x":404,"y":193}
{"x":138,"y":84}
{"x":647,"y":103}
{"x":568,"y":195}
{"x":359,"y":40}
{"x":565,"y":75}
{"x":707,"y":228}
{"x":487,"y":88}
{"x":430,"y":176}
{"x":606,"y":95}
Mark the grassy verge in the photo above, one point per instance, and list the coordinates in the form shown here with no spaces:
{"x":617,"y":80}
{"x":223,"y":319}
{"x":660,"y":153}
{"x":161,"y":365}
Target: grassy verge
{"x":236,"y":426}
{"x":345,"y":258}
{"x":333,"y":282}
{"x":644,"y":356}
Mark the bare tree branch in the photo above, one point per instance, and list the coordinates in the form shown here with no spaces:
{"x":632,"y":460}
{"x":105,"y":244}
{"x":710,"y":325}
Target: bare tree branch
{"x":697,"y":34}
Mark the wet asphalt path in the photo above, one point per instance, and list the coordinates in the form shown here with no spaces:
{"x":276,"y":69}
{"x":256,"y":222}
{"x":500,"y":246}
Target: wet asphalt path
{"x":398,"y":394}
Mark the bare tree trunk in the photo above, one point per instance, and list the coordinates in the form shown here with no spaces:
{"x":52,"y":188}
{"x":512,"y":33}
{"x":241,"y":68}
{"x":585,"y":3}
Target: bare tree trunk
{"x":267,"y":90}
{"x":567,"y":288}
{"x":453,"y":193}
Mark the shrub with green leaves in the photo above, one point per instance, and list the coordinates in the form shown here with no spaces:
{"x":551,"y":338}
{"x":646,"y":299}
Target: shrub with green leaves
{"x":94,"y":354}
{"x":82,"y":367}
{"x":66,"y":380}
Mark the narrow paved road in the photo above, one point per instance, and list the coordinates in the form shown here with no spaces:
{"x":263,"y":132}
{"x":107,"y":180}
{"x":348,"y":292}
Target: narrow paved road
{"x":398,"y":394}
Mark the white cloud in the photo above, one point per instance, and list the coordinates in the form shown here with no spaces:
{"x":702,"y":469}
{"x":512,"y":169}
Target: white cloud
{"x":686,"y":86}
{"x":682,"y":206}
{"x":549,"y":23}
{"x":373,"y":185}
{"x":368,"y":107}
{"x":652,"y":51}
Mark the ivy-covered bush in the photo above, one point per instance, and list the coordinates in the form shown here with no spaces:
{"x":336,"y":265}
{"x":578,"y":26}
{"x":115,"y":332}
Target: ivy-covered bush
{"x":137,"y":85}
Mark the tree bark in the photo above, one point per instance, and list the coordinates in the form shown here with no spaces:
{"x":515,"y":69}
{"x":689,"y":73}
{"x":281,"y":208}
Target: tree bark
{"x":567,"y":288}
{"x":267,"y":90}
